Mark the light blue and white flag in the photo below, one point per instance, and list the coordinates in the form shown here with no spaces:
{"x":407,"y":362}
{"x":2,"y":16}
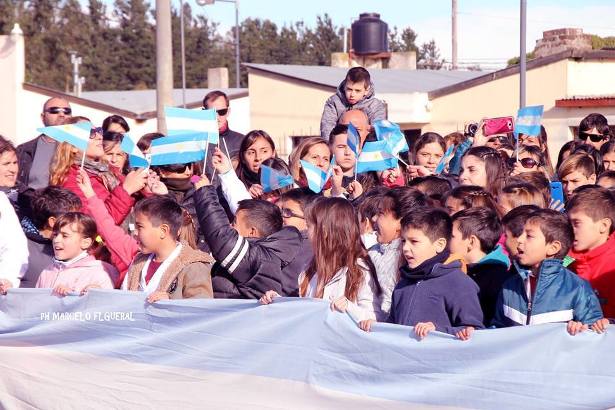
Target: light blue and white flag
{"x":272,"y":179}
{"x":112,"y":349}
{"x":444,"y":160}
{"x":181,"y":121}
{"x":390,"y":132}
{"x":353,"y":140}
{"x":316,"y":177}
{"x":178,"y":149}
{"x":77,"y":134}
{"x":375,"y":156}
{"x":136,"y":158}
{"x":528,"y":121}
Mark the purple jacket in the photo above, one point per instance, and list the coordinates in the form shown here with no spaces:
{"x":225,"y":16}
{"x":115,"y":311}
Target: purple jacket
{"x":436,"y":292}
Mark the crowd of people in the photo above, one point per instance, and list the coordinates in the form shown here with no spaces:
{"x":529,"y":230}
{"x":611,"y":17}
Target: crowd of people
{"x":483,"y":244}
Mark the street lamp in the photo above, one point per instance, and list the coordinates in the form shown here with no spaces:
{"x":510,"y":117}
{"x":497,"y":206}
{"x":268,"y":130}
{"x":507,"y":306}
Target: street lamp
{"x":210,"y":2}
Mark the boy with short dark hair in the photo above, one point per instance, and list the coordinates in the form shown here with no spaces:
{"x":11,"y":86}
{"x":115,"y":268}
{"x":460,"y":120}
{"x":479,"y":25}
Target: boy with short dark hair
{"x":166,"y":268}
{"x":576,"y":171}
{"x":356,"y":91}
{"x":513,"y":223}
{"x":475,"y":236}
{"x":255,"y":254}
{"x":48,"y":204}
{"x":592,"y":216}
{"x":542,"y":290}
{"x":433,"y":293}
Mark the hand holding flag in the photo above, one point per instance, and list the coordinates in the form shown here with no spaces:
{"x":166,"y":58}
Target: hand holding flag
{"x":272,"y":179}
{"x":376,"y":156}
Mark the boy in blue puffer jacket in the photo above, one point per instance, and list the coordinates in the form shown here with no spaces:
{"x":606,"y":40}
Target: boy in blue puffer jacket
{"x":542,"y":290}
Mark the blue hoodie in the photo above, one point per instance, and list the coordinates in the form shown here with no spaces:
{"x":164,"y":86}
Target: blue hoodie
{"x":436,"y":292}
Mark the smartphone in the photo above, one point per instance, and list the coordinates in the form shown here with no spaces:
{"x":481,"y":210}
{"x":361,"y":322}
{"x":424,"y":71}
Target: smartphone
{"x":500,"y":125}
{"x":557,"y":193}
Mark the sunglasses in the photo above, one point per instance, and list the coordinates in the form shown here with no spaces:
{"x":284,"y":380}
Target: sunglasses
{"x":287,"y":213}
{"x":57,"y":110}
{"x":95,"y":131}
{"x":221,"y":112}
{"x":593,"y":137}
{"x":525,"y":162}
{"x":502,"y":140}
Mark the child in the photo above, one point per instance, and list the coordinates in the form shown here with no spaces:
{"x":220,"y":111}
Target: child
{"x":255,"y":254}
{"x":73,"y":269}
{"x":356,"y":91}
{"x":517,"y":194}
{"x":293,"y":205}
{"x":166,"y":268}
{"x":435,"y":187}
{"x":592,"y":215}
{"x":367,"y":210}
{"x":514,"y":222}
{"x":467,"y":196}
{"x":387,"y":254}
{"x":577,"y":170}
{"x":606,"y":179}
{"x":475,"y":236}
{"x":433,"y":293}
{"x":541,"y":290}
{"x":48,"y":204}
{"x":256,"y":147}
{"x":427,"y":153}
{"x":340,"y":272}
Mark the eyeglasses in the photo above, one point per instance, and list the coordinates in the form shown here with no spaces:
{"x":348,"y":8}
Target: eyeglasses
{"x":94,"y":132}
{"x":525,"y":162}
{"x":501,"y":139}
{"x":287,"y":213}
{"x":593,"y":137}
{"x":221,"y":112}
{"x":57,"y":110}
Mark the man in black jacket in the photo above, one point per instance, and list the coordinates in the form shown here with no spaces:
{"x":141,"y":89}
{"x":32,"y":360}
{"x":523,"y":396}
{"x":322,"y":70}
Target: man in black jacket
{"x":220,"y":102}
{"x":254,"y":254}
{"x":40,"y":150}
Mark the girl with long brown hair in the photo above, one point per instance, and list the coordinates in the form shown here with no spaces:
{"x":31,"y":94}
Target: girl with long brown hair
{"x":341,"y":271}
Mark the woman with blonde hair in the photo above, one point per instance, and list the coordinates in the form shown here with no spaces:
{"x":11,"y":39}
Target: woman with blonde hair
{"x":115,"y":191}
{"x":314,"y":150}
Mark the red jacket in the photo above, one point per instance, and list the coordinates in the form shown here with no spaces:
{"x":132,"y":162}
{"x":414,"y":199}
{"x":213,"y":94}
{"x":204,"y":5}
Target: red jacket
{"x":122,"y":246}
{"x":598,"y":267}
{"x":118,"y":202}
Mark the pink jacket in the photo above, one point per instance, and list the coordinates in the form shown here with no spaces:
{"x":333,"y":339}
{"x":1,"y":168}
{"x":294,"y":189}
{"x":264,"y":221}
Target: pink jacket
{"x":78,"y":275}
{"x":122,"y":246}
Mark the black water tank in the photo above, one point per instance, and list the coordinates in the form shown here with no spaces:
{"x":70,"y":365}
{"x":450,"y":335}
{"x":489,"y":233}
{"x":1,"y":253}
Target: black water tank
{"x":370,"y":34}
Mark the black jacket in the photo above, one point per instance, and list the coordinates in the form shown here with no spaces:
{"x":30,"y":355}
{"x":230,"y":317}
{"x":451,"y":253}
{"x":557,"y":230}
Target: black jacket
{"x":40,"y":254}
{"x":25,"y":155}
{"x":290,"y":274}
{"x":245,"y":268}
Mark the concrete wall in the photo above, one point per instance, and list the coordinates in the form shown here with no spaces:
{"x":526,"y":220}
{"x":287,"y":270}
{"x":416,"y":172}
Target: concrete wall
{"x":285,"y":108}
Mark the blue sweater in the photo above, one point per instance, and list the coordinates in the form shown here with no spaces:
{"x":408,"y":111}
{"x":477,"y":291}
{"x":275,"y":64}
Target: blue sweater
{"x":439,"y":293}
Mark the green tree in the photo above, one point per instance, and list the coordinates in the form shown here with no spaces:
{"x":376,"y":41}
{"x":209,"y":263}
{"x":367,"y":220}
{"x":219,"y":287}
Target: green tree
{"x":429,"y":56}
{"x":322,"y":41}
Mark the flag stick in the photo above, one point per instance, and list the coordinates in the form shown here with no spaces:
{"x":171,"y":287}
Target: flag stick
{"x":205,"y":159}
{"x":83,"y":160}
{"x":517,"y":146}
{"x":402,"y":161}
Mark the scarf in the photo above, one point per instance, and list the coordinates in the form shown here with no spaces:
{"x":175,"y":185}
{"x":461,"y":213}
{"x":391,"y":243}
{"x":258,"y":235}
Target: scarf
{"x":425,"y":268}
{"x":101,"y":170}
{"x":178,"y":184}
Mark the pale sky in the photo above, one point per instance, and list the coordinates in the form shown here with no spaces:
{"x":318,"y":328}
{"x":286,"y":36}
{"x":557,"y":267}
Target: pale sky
{"x":488,"y":30}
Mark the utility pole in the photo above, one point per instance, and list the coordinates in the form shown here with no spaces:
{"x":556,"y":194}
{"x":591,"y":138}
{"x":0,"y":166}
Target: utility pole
{"x":77,"y":81}
{"x":164,"y":62}
{"x":454,"y":34}
{"x":522,"y":55}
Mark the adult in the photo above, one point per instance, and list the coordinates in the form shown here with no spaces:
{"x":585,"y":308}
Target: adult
{"x":359,"y":119}
{"x":18,"y":194}
{"x":115,"y":123}
{"x":219,"y":101}
{"x":594,"y":130}
{"x":40,"y":150}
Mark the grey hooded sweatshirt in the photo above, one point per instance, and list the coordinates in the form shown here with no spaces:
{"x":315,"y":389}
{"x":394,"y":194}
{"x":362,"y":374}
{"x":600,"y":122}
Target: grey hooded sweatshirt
{"x":337,"y":105}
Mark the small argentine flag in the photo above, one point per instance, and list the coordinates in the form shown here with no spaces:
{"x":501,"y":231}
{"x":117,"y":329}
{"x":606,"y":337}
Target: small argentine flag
{"x":272,"y":179}
{"x":316,"y":177}
{"x":376,"y":156}
{"x":354,"y":140}
{"x":178,"y":149}
{"x":182,"y":121}
{"x":444,"y":160}
{"x":135,"y":156}
{"x":528,"y":121}
{"x":77,"y":134}
{"x":390,"y":132}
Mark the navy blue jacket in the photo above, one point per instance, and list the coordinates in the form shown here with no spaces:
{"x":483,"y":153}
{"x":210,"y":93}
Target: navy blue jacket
{"x":560,"y":296}
{"x":436,"y":292}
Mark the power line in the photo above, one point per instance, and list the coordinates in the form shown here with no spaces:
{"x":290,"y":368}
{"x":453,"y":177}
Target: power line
{"x":513,"y":18}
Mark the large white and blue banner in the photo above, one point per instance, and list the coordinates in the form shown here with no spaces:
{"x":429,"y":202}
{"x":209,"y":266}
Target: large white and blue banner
{"x":111,"y":349}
